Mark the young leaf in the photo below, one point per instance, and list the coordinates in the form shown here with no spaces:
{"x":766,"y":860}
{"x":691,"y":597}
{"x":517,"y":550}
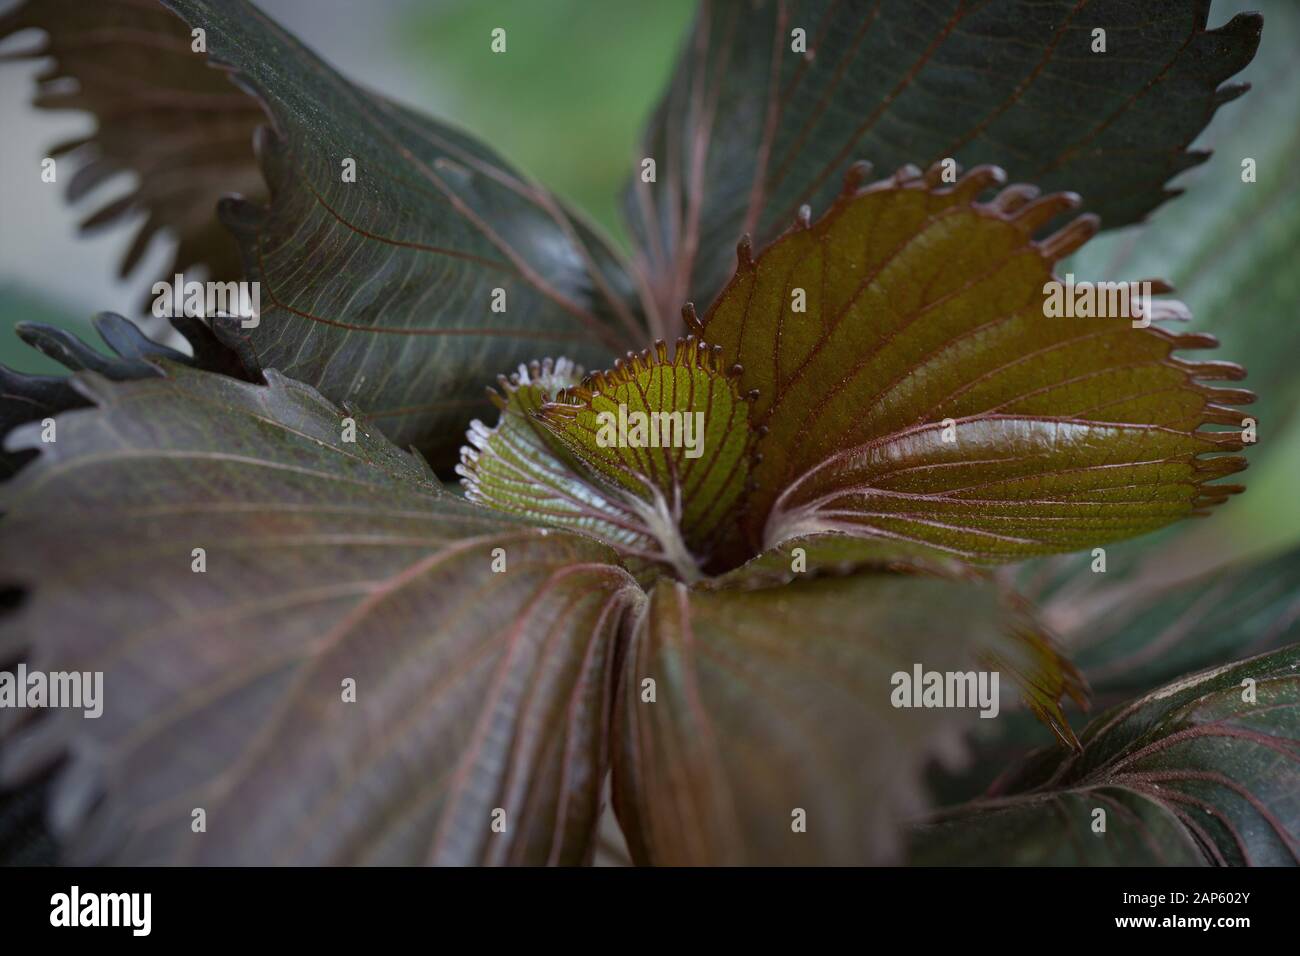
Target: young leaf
{"x":670,"y":438}
{"x":1203,"y":770}
{"x":926,"y":393}
{"x":771,"y":102}
{"x":519,"y":467}
{"x":775,"y":700}
{"x":363,"y":668}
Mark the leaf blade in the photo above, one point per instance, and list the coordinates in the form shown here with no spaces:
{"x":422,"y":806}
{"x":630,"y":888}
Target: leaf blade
{"x":927,"y":391}
{"x":397,"y":307}
{"x":749,"y":129}
{"x":405,"y":290}
{"x":1214,"y":777}
{"x":325,"y":561}
{"x":161,"y":114}
{"x":779,"y":699}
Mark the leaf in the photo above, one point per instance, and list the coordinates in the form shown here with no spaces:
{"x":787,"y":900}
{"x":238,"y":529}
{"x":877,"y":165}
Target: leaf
{"x":526,"y":467}
{"x":750,"y":130}
{"x":1191,"y":773}
{"x":776,"y":700}
{"x":326,"y":561}
{"x":1042,"y":673}
{"x":926,"y":396}
{"x":1135,"y":633}
{"x":1229,"y":245}
{"x":670,"y":438}
{"x":378,"y":291}
{"x":652,"y":457}
{"x":30,"y":398}
{"x":1246,"y":608}
{"x":382,"y":291}
{"x":519,"y":467}
{"x":161,"y":114}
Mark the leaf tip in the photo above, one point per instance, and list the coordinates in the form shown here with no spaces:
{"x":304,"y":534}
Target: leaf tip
{"x":857,"y":174}
{"x":745,"y":253}
{"x":1070,"y":237}
{"x":691,"y":319}
{"x":908,"y":172}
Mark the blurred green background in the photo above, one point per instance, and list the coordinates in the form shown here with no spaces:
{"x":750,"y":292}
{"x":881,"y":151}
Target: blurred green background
{"x":568,"y":101}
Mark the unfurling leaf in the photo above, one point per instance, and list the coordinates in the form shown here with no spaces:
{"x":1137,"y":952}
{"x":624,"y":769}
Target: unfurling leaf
{"x":519,"y":467}
{"x":672,"y":435}
{"x":652,"y":457}
{"x":929,"y":396}
{"x":327,"y":561}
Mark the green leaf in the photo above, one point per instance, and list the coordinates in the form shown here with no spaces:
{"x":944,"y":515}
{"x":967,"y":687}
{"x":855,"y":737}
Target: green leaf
{"x":662,"y":509}
{"x":479,"y":685}
{"x":653,"y":457}
{"x":924,"y":394}
{"x":670,"y":438}
{"x":776,"y":700}
{"x":1203,"y":770}
{"x":161,"y":113}
{"x":750,"y":129}
{"x":519,"y":467}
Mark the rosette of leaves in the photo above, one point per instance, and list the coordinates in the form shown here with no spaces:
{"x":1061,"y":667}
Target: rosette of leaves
{"x":691,"y":573}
